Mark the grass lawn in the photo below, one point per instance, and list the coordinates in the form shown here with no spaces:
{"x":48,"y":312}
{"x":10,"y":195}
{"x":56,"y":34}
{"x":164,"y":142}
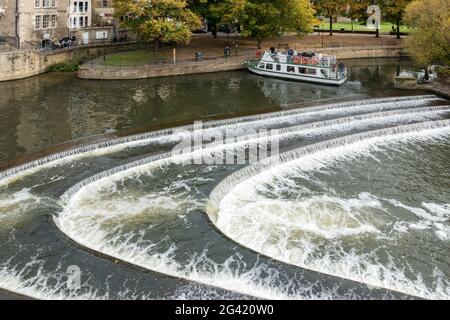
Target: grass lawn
{"x":386,"y":27}
{"x":137,"y":57}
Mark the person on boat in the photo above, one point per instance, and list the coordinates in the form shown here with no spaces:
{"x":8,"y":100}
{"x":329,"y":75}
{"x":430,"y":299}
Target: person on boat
{"x":272,"y":50}
{"x":290,"y":52}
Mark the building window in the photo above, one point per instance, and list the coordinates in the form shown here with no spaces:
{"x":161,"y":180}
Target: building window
{"x":37,"y":22}
{"x":80,"y":6}
{"x":53,"y":3}
{"x":37,"y":3}
{"x":86,"y":21}
{"x":75,"y":6}
{"x":46,"y":3}
{"x":105,"y":3}
{"x":45,"y":21}
{"x":81,"y":21}
{"x":86,"y":6}
{"x":54,"y":21}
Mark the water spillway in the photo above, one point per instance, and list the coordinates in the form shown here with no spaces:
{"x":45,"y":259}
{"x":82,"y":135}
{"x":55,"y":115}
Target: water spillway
{"x":354,"y":188}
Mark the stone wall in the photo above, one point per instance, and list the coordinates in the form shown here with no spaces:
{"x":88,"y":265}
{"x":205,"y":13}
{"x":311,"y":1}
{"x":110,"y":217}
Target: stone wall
{"x":8,"y":19}
{"x":165,"y":71}
{"x":22,"y":64}
{"x":114,"y":73}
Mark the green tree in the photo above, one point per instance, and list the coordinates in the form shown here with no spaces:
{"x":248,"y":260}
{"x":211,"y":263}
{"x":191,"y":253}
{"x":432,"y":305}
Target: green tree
{"x":263,"y":19}
{"x":393,"y":11}
{"x":330,"y":9}
{"x":158,"y":21}
{"x":208,"y":9}
{"x":429,"y":42}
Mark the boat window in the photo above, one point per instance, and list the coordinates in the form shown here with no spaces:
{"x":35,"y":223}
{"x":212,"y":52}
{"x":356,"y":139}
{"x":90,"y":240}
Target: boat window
{"x":290,"y":69}
{"x":307,"y":71}
{"x":278,"y":67}
{"x":269,"y":66}
{"x":324,"y":72}
{"x":261,"y":66}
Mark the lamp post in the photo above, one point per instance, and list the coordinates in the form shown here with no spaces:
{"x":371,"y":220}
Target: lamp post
{"x":322,"y":33}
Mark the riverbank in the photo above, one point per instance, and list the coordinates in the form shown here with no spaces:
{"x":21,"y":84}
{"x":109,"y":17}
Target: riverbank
{"x":441,"y":89}
{"x":410,"y":83}
{"x":99,"y":71}
{"x":20,"y":64}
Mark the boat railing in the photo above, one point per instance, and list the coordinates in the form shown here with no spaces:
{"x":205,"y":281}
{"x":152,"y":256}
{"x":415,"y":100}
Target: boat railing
{"x":315,"y":60}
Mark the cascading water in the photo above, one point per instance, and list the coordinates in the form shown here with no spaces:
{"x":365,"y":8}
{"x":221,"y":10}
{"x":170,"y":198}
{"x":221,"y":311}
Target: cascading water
{"x":133,"y":200}
{"x":278,"y":208}
{"x":142,"y":139}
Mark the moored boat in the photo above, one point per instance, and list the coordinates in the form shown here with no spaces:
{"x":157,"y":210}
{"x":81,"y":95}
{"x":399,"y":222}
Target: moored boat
{"x":301,"y":66}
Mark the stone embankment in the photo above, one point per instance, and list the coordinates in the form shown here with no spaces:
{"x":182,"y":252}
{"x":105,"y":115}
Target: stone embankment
{"x":105,"y":72}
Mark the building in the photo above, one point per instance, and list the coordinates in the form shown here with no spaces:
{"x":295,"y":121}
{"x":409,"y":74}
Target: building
{"x":103,"y":16}
{"x":103,"y":13}
{"x":33,"y":20}
{"x":43,"y":21}
{"x":8,"y":18}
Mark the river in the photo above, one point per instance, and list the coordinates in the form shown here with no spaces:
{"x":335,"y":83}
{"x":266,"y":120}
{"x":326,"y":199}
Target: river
{"x":355,"y":207}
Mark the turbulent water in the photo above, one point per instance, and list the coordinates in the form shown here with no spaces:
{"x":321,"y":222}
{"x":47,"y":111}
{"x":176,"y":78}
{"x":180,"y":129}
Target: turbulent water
{"x":355,"y":206}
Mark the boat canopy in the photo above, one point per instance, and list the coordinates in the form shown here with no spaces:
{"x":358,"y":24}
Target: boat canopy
{"x":300,"y":57}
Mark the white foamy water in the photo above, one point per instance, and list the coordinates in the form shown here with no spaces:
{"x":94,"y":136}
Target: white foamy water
{"x":13,"y":207}
{"x":103,"y":221}
{"x":100,"y":216}
{"x":170,"y":135}
{"x":388,"y":118}
{"x":87,"y":220}
{"x":323,"y":232}
{"x":33,"y":280}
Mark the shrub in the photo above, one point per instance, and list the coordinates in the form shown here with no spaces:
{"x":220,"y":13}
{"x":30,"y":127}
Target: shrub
{"x":64,"y":67}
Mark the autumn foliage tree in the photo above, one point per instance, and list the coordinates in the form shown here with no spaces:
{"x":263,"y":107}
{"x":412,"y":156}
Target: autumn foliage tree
{"x":357,"y":9}
{"x":393,"y":11}
{"x":330,"y":9}
{"x":429,"y":42}
{"x":158,"y":21}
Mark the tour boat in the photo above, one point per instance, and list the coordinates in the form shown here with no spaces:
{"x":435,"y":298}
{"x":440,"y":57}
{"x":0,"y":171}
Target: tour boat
{"x":301,"y":66}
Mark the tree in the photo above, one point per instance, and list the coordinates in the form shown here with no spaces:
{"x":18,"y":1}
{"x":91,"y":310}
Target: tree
{"x":429,"y":42}
{"x":207,"y":9}
{"x":394,"y":10}
{"x":158,"y":21}
{"x":357,"y":9}
{"x":263,"y":19}
{"x":330,"y":8}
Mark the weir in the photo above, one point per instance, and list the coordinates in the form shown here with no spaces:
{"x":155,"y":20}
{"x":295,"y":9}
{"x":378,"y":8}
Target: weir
{"x":123,"y":253}
{"x":65,"y":198}
{"x":140,"y":139}
{"x":237,"y":177}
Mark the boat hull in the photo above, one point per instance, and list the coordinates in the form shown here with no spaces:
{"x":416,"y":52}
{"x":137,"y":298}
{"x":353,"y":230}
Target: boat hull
{"x":296,"y":77}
